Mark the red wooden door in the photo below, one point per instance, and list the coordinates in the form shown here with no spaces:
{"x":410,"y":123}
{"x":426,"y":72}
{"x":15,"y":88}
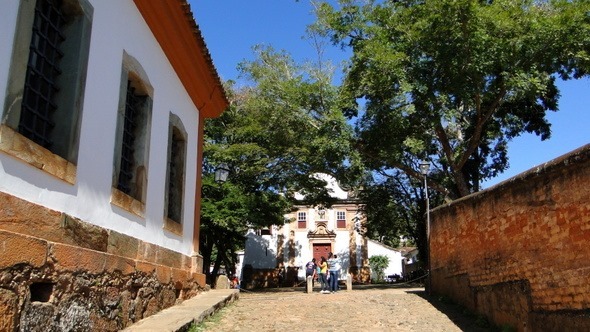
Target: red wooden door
{"x":321,"y":249}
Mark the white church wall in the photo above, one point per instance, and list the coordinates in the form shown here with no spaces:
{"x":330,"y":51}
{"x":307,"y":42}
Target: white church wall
{"x":260,"y":251}
{"x":395,"y":257}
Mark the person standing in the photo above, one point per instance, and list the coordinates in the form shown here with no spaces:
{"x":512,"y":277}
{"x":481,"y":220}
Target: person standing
{"x":317,"y":271}
{"x":323,"y":266}
{"x":334,"y":270}
{"x":310,"y":270}
{"x":235,"y":282}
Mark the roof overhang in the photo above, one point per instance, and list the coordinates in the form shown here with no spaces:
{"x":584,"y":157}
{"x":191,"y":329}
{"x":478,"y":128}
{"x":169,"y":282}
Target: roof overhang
{"x":175,"y":29}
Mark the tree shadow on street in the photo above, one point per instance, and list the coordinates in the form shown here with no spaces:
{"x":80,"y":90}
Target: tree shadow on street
{"x":301,"y":287}
{"x":459,"y":315}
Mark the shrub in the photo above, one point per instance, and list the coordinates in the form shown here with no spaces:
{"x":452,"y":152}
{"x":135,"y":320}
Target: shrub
{"x":378,"y":264}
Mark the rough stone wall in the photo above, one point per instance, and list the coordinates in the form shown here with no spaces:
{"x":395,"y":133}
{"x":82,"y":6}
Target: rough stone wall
{"x":519,"y":252}
{"x":360,"y":275}
{"x":264,"y":278}
{"x":58,"y":273}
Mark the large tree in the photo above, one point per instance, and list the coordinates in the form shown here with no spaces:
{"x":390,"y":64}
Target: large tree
{"x":453,"y":81}
{"x":282,"y":126}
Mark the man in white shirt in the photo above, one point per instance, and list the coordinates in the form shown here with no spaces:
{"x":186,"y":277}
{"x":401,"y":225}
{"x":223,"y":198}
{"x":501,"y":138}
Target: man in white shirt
{"x":334,"y":271}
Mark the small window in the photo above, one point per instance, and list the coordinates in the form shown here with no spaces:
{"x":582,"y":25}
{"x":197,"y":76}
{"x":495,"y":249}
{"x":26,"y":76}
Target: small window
{"x":301,"y":220}
{"x":340,"y":219}
{"x":266,"y":231}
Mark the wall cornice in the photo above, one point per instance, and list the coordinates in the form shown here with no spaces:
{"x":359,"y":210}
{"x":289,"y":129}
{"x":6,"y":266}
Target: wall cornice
{"x":175,"y":29}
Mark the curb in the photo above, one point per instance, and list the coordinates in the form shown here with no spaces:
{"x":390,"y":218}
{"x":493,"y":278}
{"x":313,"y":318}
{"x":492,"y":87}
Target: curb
{"x":194,"y":310}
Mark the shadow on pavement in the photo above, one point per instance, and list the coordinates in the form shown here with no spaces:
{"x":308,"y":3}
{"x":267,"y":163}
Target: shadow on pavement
{"x":342,"y":288}
{"x":463,"y":318}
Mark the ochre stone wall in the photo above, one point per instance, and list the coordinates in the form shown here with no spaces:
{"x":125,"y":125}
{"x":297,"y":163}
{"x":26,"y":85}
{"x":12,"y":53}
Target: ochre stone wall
{"x":519,"y":252}
{"x":360,"y":275}
{"x":267,"y":278}
{"x":63,"y":274}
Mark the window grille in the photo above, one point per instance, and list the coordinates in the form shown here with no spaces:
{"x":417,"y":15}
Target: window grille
{"x":132,"y":103}
{"x":43,"y":70}
{"x":175,"y":177}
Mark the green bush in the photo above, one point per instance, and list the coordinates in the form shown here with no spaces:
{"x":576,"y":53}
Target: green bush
{"x":378,"y":264}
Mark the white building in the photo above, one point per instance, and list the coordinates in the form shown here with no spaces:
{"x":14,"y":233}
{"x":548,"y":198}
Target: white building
{"x":100,"y":148}
{"x":312,"y":233}
{"x":395,"y":257}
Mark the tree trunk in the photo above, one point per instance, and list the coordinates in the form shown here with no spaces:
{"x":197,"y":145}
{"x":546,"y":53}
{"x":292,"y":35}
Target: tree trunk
{"x":215,"y":271}
{"x":206,"y":250}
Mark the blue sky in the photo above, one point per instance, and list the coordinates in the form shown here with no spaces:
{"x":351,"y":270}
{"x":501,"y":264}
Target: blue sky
{"x":232,"y":27}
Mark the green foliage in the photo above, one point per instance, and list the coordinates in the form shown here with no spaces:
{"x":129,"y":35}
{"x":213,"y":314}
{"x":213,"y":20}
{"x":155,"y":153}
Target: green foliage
{"x":451,"y":82}
{"x":210,"y":322}
{"x":395,"y":207}
{"x":378,"y":264}
{"x":454,"y":81}
{"x":279,"y":129}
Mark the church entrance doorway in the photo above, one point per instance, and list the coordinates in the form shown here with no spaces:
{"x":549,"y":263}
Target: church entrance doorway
{"x":321,"y":249}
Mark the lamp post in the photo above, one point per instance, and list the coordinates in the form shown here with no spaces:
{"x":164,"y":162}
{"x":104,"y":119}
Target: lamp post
{"x":424,"y":169}
{"x":221,"y":173}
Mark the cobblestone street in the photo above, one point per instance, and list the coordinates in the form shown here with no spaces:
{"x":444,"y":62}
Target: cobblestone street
{"x":362,"y":309}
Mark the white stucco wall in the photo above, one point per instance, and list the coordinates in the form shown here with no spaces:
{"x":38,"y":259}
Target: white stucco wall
{"x":260,"y":251}
{"x":7,"y":30}
{"x":117,"y":26}
{"x":395,"y":257}
{"x":332,"y":185}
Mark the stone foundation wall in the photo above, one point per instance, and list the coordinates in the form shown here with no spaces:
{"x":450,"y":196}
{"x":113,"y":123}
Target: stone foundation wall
{"x":360,"y":275}
{"x":58,"y":273}
{"x":518,"y":253}
{"x":265,"y":278}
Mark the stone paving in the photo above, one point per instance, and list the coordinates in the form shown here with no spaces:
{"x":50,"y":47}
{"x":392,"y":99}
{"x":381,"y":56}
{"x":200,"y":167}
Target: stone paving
{"x":366,"y":308}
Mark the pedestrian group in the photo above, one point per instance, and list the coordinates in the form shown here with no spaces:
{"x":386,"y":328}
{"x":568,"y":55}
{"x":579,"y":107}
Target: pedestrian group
{"x":327,"y":271}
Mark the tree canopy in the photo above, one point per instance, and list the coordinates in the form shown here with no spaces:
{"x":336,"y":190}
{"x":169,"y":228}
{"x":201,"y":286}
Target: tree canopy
{"x":280,"y":128}
{"x":453,"y":81}
{"x":448,"y":81}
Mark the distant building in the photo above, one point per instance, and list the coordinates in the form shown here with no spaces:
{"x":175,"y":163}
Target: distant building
{"x":411,"y":266}
{"x":279,"y":254}
{"x":394,"y":255}
{"x":103,"y":105}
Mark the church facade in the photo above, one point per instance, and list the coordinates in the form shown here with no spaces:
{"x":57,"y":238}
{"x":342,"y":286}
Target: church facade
{"x":276,"y":257}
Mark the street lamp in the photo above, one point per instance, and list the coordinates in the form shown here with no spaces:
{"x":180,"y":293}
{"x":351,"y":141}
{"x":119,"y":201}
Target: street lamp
{"x":221,"y":172}
{"x":424,"y":168}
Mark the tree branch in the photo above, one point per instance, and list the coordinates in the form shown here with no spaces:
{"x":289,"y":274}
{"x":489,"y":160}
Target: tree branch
{"x":482,"y":119}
